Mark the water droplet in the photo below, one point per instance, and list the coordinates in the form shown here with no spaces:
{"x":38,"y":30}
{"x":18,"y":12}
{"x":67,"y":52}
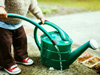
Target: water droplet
{"x":51,"y":68}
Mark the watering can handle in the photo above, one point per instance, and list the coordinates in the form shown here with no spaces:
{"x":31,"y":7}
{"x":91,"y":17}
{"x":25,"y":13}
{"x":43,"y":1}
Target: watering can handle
{"x":63,"y":35}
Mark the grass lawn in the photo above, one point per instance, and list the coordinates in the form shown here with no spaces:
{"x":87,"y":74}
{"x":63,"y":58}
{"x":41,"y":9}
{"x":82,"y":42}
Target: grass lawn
{"x":93,"y":5}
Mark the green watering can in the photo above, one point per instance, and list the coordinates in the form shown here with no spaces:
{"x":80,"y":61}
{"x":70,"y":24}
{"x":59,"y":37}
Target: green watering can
{"x":60,"y":55}
{"x":56,"y":45}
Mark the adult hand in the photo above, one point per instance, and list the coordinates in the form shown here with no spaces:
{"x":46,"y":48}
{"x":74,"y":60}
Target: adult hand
{"x":3,"y":13}
{"x":42,"y":20}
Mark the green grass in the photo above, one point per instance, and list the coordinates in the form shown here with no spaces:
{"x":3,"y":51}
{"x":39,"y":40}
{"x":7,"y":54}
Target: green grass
{"x":93,"y":5}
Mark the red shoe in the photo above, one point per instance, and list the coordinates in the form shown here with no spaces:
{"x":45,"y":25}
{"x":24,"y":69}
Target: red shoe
{"x":26,"y":61}
{"x":13,"y":70}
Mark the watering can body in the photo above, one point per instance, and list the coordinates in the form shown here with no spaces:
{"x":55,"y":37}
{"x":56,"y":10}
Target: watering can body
{"x":50,"y":55}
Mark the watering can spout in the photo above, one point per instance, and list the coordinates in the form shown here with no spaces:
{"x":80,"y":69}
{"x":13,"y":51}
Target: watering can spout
{"x":76,"y":53}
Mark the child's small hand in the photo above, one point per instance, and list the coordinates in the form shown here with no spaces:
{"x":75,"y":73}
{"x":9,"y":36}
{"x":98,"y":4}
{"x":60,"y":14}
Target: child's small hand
{"x":3,"y":13}
{"x":42,"y":20}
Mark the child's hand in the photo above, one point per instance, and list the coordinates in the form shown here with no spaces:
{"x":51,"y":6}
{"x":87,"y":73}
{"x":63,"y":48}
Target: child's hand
{"x":3,"y":13}
{"x":42,"y":20}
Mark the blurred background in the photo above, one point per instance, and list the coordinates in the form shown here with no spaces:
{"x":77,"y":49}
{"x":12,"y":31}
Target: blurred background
{"x":72,"y":6}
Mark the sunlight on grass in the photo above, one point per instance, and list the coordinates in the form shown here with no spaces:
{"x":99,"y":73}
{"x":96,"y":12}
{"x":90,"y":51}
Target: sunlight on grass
{"x":93,"y":5}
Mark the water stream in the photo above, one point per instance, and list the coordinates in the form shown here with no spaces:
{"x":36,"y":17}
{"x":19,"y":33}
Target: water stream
{"x":59,"y":56}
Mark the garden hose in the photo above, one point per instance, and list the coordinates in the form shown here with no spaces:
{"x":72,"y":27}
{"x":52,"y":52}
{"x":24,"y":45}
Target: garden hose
{"x":34,"y":23}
